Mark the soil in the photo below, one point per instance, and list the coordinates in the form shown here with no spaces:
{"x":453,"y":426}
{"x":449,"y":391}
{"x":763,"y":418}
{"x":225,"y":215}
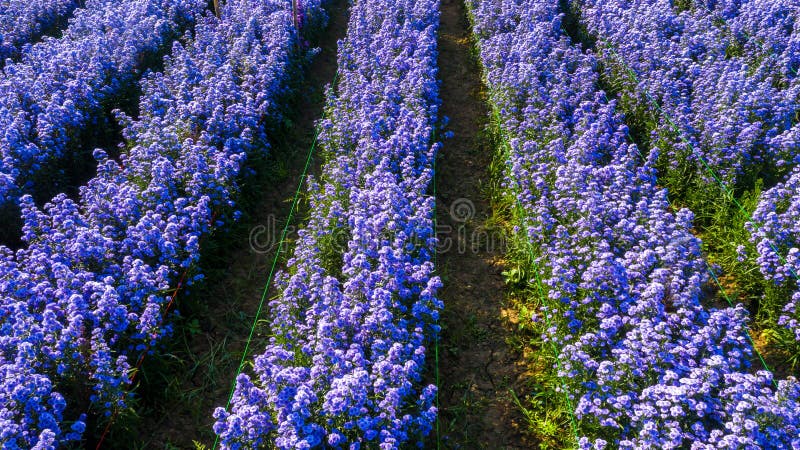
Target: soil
{"x":180,"y":386}
{"x":478,"y":369}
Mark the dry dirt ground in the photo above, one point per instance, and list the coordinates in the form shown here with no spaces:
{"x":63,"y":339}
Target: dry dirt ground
{"x":478,"y":369}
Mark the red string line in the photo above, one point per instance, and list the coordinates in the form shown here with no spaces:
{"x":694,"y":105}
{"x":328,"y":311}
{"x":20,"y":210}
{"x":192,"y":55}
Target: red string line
{"x":149,"y":346}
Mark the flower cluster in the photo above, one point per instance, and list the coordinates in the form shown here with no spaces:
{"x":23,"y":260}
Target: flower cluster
{"x":771,"y":30}
{"x":775,"y":230}
{"x":22,"y":21}
{"x":61,"y":86}
{"x":349,"y":329}
{"x":87,"y":295}
{"x":645,"y":363}
{"x":728,"y":95}
{"x":734,"y":94}
{"x":724,"y":9}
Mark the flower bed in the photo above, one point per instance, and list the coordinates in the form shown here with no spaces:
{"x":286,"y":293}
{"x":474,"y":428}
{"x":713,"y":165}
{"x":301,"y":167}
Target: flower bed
{"x":357,"y":306}
{"x":87,"y":295}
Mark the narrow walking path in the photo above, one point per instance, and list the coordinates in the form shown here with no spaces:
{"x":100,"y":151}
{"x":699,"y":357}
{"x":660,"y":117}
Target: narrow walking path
{"x":478,"y":368}
{"x":182,"y":385}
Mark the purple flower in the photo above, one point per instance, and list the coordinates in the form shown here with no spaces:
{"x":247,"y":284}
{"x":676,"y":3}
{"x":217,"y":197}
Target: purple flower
{"x":646,"y":363}
{"x":358,"y":303}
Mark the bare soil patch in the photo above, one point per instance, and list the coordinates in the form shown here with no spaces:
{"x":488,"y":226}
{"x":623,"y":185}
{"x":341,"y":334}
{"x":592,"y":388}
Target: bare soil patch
{"x":478,"y":367}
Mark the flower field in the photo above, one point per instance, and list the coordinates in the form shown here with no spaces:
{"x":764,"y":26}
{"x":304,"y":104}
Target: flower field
{"x":363,"y":224}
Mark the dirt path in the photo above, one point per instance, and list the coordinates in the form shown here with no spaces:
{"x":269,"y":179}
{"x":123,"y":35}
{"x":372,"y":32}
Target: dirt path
{"x":181,"y":386}
{"x":478,"y":368}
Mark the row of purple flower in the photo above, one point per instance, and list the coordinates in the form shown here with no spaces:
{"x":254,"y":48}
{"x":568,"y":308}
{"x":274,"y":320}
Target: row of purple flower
{"x":60,"y":86}
{"x":87,"y":293}
{"x":23,"y":21}
{"x":645,"y":364}
{"x":349,"y":329}
{"x":726,"y":113}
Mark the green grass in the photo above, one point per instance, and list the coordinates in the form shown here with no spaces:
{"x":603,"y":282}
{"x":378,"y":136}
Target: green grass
{"x":546,"y":411}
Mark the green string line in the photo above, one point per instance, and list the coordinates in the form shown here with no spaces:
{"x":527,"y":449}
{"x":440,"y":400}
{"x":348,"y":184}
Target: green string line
{"x":436,"y":265}
{"x":538,"y":283}
{"x":713,"y":174}
{"x":746,"y":329}
{"x":709,"y":269}
{"x":275,"y":262}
